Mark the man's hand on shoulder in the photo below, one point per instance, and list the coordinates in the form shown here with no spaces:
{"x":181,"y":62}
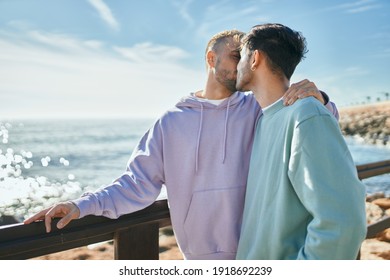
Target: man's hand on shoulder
{"x":303,"y":89}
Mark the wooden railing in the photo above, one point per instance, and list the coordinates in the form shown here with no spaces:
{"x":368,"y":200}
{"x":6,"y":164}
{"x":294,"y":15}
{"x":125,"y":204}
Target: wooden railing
{"x":370,"y":170}
{"x":373,"y":169}
{"x":136,"y":235}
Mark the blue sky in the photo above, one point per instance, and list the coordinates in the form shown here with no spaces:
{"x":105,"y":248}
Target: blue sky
{"x":114,"y":58}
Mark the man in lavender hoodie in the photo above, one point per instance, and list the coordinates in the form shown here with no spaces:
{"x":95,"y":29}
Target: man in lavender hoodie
{"x":200,"y":151}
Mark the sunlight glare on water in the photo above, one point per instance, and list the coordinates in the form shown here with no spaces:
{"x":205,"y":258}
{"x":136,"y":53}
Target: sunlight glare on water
{"x":45,"y":162}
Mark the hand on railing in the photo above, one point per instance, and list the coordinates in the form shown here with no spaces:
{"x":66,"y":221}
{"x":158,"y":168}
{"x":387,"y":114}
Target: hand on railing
{"x":67,"y":210}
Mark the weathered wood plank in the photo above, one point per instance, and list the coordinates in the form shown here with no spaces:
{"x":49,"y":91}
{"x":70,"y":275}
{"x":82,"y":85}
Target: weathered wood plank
{"x":373,"y":169}
{"x":378,"y":227}
{"x":137,"y":243}
{"x":21,"y":241}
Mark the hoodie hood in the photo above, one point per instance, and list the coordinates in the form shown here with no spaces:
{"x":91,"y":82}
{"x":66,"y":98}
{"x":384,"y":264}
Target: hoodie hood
{"x":191,"y":101}
{"x":196,"y":103}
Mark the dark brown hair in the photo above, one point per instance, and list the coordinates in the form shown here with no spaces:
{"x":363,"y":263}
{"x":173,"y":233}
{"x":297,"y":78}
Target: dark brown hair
{"x":283,"y":47}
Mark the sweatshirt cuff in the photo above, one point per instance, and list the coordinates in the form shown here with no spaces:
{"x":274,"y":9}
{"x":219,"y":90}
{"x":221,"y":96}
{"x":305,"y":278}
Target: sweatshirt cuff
{"x":325,"y":96}
{"x":85,"y":204}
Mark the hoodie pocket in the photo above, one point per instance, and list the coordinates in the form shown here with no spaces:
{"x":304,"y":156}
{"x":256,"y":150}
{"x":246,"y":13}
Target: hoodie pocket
{"x":213,"y":221}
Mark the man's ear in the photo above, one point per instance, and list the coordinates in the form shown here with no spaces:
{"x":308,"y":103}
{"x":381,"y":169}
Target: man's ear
{"x":210,"y":59}
{"x":256,"y":59}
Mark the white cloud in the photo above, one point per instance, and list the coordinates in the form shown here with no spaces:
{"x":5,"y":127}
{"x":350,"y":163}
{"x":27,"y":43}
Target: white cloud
{"x":362,"y":9}
{"x":148,"y":52}
{"x":357,"y":6}
{"x":105,"y":13}
{"x":84,"y":79}
{"x":183,"y":10}
{"x":60,"y":41}
{"x":353,"y":71}
{"x":381,"y":54}
{"x":220,"y":16}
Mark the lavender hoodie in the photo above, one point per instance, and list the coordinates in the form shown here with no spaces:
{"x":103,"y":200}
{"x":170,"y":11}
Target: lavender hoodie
{"x":201,"y":153}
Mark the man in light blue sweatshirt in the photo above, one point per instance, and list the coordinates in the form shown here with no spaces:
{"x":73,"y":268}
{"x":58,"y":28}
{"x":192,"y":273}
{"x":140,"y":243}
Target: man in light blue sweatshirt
{"x":304,"y":199}
{"x":200,"y":151}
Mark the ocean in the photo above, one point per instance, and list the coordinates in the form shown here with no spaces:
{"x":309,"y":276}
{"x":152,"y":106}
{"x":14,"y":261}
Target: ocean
{"x":46,"y":161}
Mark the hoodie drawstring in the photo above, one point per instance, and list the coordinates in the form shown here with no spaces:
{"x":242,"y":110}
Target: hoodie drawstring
{"x":198,"y":140}
{"x":225,"y":132}
{"x":200,"y":133}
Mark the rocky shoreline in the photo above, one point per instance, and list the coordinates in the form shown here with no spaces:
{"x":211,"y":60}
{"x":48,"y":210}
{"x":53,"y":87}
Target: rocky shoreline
{"x":377,"y":208}
{"x":371,"y":122}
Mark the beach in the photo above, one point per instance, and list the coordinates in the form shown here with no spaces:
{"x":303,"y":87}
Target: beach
{"x":370,"y":122}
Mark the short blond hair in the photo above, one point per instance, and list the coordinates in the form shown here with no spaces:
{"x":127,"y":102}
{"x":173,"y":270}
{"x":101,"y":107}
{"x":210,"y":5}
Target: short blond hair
{"x":220,"y":37}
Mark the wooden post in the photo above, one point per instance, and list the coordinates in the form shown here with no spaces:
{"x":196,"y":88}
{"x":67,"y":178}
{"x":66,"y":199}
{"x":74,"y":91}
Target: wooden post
{"x":137,"y":243}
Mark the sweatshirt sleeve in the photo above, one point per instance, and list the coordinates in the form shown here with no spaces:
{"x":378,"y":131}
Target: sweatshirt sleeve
{"x":330,"y":105}
{"x":333,"y":109}
{"x":137,"y":188}
{"x":325,"y":179}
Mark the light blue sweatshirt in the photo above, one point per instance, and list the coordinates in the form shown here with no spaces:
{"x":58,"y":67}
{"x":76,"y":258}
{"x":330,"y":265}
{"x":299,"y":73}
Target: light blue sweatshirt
{"x":200,"y":152}
{"x":304,"y":199}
